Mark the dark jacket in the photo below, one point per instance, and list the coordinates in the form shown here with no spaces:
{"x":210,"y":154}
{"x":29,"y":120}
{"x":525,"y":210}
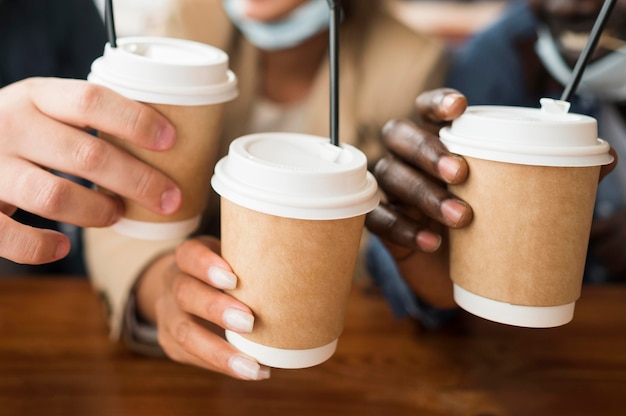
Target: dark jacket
{"x":48,"y":38}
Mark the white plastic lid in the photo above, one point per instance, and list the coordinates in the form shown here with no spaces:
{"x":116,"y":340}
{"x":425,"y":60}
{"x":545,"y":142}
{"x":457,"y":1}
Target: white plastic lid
{"x":510,"y":314}
{"x":296,"y":176}
{"x":529,"y":136}
{"x":165,"y":71}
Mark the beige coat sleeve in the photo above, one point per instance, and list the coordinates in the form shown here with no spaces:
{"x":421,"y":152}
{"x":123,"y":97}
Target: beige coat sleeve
{"x":114,"y":263}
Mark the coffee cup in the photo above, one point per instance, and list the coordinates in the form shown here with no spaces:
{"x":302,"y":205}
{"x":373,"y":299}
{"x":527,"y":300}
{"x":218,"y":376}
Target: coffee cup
{"x":292,"y":213}
{"x":187,"y":82}
{"x":533,"y":176}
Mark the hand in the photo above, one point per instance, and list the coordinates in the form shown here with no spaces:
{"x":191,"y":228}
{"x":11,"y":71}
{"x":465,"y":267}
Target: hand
{"x":608,"y":237}
{"x":182,"y":294}
{"x":415,"y":175}
{"x":42,"y":126}
{"x":412,"y":222}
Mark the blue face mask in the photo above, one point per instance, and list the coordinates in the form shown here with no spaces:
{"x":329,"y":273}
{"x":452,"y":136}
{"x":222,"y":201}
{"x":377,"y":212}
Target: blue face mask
{"x":303,"y":23}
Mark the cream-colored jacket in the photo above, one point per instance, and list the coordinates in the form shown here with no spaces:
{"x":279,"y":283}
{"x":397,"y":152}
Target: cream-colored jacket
{"x":383,"y":67}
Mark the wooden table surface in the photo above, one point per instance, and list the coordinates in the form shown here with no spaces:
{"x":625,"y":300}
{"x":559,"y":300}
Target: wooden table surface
{"x":55,"y":358}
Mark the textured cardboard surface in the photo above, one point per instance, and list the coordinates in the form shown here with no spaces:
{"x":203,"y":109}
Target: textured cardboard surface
{"x":528,"y":241}
{"x":189,"y":163}
{"x":294,"y":274}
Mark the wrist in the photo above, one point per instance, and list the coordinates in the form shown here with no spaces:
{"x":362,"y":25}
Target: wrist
{"x":152,"y":284}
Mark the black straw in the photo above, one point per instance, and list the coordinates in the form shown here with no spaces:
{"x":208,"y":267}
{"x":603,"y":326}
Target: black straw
{"x":335,"y":13}
{"x":110,"y":23}
{"x":592,"y":42}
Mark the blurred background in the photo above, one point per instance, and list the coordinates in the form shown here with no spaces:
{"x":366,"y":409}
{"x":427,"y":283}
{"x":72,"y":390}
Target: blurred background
{"x":452,"y":20}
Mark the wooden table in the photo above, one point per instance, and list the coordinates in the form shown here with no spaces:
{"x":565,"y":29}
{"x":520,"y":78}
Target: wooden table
{"x":55,"y":359}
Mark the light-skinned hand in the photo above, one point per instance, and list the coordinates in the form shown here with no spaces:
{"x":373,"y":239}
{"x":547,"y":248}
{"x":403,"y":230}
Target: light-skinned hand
{"x":44,"y":125}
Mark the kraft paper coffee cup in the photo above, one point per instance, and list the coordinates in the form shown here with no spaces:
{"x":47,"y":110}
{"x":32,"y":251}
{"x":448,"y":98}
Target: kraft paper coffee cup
{"x":293,"y":210}
{"x":187,"y":82}
{"x":532,"y":185}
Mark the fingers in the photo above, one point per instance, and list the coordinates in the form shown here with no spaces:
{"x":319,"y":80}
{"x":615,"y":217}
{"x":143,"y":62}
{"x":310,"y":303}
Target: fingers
{"x":440,"y":105}
{"x":184,"y":333}
{"x":81,"y":154}
{"x":53,"y":197}
{"x":87,"y":105}
{"x":199,"y":257}
{"x":189,"y":341}
{"x":414,"y":189}
{"x":45,"y":135}
{"x":424,"y":151}
{"x":414,"y":178}
{"x":201,"y":300}
{"x":394,"y":227}
{"x":27,"y":245}
{"x":195,"y":302}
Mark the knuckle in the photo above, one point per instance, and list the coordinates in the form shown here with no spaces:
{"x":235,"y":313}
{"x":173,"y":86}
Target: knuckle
{"x":135,"y":121}
{"x":50,"y":198}
{"x":35,"y":251}
{"x":90,"y":154}
{"x":168,"y":346}
{"x":145,"y":183}
{"x":19,"y":247}
{"x":180,"y":290}
{"x":88,"y":98}
{"x":181,"y":333}
{"x":181,"y":251}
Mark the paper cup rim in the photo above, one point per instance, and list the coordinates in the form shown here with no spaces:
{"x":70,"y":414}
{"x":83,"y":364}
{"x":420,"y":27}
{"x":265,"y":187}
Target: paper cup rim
{"x":154,"y":231}
{"x":279,"y":357}
{"x":510,"y":314}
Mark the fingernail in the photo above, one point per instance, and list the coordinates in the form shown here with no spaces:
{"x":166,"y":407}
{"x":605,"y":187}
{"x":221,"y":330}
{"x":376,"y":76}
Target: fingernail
{"x":62,"y":249}
{"x":453,"y":211}
{"x":449,"y":168}
{"x":248,"y":368}
{"x":238,"y":320}
{"x":452,"y":104}
{"x":222,"y":279}
{"x":170,"y":200}
{"x":166,"y":136}
{"x":428,"y":241}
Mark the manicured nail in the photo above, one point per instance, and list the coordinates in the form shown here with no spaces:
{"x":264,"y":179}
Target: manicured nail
{"x":170,"y":200}
{"x":449,"y":168}
{"x":428,"y":241}
{"x":238,"y":320}
{"x":222,"y":279}
{"x":453,"y":211}
{"x":248,"y":368}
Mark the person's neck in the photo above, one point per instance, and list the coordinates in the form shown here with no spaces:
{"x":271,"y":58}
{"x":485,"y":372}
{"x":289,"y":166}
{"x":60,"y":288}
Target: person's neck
{"x":287,"y":75}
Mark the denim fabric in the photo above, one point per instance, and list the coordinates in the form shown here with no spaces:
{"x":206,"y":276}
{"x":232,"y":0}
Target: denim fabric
{"x":382,"y":268}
